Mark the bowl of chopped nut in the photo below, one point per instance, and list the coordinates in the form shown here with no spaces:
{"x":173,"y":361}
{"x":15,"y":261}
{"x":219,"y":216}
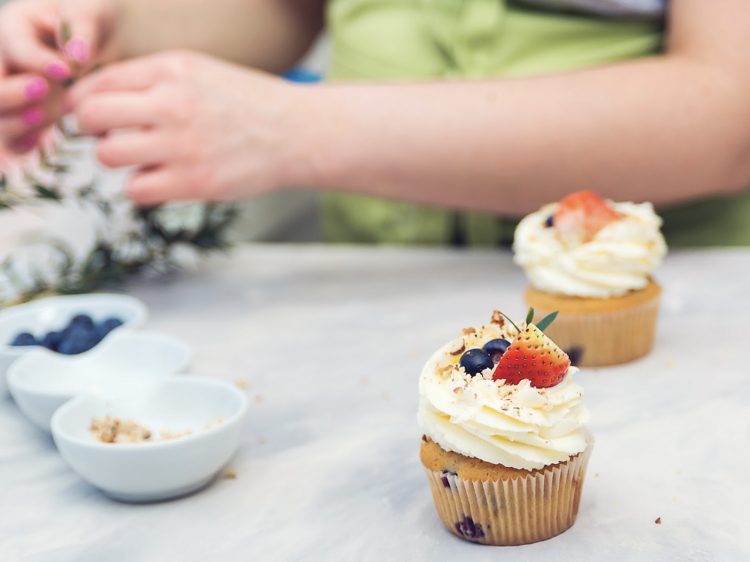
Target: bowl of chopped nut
{"x":66,"y":325}
{"x":170,"y":442}
{"x":126,"y":364}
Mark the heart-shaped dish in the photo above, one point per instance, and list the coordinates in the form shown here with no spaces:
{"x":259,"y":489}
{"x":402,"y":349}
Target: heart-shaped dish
{"x":54,"y":313}
{"x":127,"y":364}
{"x":211,"y":409}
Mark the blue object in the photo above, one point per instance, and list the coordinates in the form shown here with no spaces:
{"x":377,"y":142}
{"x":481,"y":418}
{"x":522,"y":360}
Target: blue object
{"x":52,"y":340}
{"x":302,"y":76}
{"x":550,"y":222}
{"x":82,"y":321}
{"x":475,"y":361}
{"x":24,"y":339}
{"x":107,"y":326}
{"x":496,"y":348}
{"x":78,"y":341}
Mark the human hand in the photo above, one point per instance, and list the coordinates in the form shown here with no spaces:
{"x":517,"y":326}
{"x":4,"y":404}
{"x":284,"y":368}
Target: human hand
{"x":44,"y":43}
{"x":194,"y":127}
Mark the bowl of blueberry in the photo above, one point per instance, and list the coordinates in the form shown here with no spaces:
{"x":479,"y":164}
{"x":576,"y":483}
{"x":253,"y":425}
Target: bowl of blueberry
{"x":126,"y":365}
{"x":66,"y":325}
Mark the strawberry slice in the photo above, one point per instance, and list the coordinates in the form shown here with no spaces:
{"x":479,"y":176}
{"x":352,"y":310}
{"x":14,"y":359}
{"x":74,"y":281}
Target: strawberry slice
{"x":532,"y":356}
{"x":581,"y":215}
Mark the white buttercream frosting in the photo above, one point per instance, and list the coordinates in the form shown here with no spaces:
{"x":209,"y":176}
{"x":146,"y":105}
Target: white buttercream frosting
{"x":517,"y":426}
{"x":620,"y":258}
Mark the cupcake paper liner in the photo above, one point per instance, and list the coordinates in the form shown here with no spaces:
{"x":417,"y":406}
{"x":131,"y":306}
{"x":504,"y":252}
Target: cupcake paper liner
{"x":516,"y":511}
{"x":597,"y":339}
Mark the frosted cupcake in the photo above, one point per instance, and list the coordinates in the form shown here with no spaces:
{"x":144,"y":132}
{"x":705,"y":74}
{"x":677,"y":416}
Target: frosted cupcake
{"x":592,"y":260}
{"x":504,"y":447}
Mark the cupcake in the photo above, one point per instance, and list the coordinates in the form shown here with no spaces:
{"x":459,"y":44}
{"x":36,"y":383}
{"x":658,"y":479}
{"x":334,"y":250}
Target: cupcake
{"x":504,"y":446}
{"x":592,"y":260}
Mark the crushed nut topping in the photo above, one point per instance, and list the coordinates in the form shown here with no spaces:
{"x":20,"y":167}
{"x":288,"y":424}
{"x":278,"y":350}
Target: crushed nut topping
{"x":457,"y":347}
{"x":116,"y":430}
{"x":497,"y":318}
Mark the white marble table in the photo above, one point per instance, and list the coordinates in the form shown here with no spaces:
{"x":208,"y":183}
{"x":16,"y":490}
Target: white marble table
{"x":330,"y":342}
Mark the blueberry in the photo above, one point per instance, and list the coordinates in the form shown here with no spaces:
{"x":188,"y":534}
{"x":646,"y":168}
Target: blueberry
{"x":78,"y":341}
{"x":575,"y":354}
{"x":496,"y":348}
{"x":52,"y":340}
{"x":107,"y":326}
{"x":82,"y":321}
{"x":475,"y":361}
{"x":550,"y":222}
{"x":444,"y":477}
{"x":467,"y":528}
{"x":24,"y":339}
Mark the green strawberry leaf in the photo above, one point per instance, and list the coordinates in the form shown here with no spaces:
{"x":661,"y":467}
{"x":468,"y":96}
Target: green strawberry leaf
{"x":544,"y":323}
{"x":530,"y":316}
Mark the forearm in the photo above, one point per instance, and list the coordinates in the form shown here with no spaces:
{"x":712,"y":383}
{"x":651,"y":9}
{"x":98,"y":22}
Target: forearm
{"x":268,"y":34}
{"x":507,"y":146}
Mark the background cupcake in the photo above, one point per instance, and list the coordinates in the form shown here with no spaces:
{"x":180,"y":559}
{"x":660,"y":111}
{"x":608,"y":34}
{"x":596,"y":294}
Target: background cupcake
{"x":592,"y":260}
{"x":504,"y":446}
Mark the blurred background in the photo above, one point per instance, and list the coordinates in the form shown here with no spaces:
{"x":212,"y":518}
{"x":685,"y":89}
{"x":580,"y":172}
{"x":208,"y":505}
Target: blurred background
{"x":291,"y":216}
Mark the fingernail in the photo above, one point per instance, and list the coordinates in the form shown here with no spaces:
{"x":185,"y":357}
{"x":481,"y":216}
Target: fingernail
{"x":32,"y":117}
{"x":78,"y":50}
{"x":58,"y":70}
{"x":35,"y":89}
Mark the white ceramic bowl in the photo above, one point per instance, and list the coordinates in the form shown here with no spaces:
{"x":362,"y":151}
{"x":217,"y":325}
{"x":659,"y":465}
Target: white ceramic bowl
{"x":126,"y":364}
{"x":54,"y":313}
{"x":161,"y":470}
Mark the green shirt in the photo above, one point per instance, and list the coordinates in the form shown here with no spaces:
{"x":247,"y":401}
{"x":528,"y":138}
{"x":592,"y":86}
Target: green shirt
{"x":430,"y":39}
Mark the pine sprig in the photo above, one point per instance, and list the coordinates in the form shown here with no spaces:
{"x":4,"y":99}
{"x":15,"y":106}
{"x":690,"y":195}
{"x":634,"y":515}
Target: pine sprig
{"x":107,"y":261}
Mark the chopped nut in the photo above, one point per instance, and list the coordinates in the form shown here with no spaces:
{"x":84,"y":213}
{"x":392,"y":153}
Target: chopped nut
{"x":497,"y":318}
{"x":468,"y":331}
{"x":230,"y":474}
{"x":658,"y":521}
{"x":458,"y":390}
{"x":457,"y":347}
{"x":115,"y":430}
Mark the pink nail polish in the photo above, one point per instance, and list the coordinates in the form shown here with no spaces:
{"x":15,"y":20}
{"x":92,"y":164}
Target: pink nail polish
{"x":78,"y":50}
{"x":58,"y":70}
{"x":32,"y":117}
{"x":35,"y":89}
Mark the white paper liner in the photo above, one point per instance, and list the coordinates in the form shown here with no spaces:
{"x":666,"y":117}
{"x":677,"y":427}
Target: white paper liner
{"x":512,"y":512}
{"x":605,"y":338}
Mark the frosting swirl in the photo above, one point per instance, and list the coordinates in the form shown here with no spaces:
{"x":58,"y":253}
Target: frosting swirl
{"x":517,"y":426}
{"x":620,"y":258}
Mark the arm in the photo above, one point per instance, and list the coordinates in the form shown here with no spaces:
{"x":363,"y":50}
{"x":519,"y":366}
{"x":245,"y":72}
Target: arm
{"x":268,"y":34}
{"x":666,"y":129}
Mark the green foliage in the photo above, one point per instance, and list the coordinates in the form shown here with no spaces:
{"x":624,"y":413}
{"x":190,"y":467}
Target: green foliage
{"x":104,"y":262}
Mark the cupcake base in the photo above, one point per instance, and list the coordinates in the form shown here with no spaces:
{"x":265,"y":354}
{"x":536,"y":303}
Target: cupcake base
{"x":496,"y":505}
{"x":597,"y":332}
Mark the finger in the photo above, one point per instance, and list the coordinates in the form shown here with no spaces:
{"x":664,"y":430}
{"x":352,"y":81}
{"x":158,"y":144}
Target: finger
{"x":133,"y":75}
{"x":134,"y":149}
{"x":101,"y":113}
{"x":20,"y":124}
{"x":26,"y":143}
{"x":24,"y":51}
{"x":84,"y":26}
{"x":166,"y":183}
{"x":18,"y":90}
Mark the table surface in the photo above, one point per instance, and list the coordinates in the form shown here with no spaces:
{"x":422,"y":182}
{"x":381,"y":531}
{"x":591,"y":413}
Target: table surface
{"x":330,"y":341}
